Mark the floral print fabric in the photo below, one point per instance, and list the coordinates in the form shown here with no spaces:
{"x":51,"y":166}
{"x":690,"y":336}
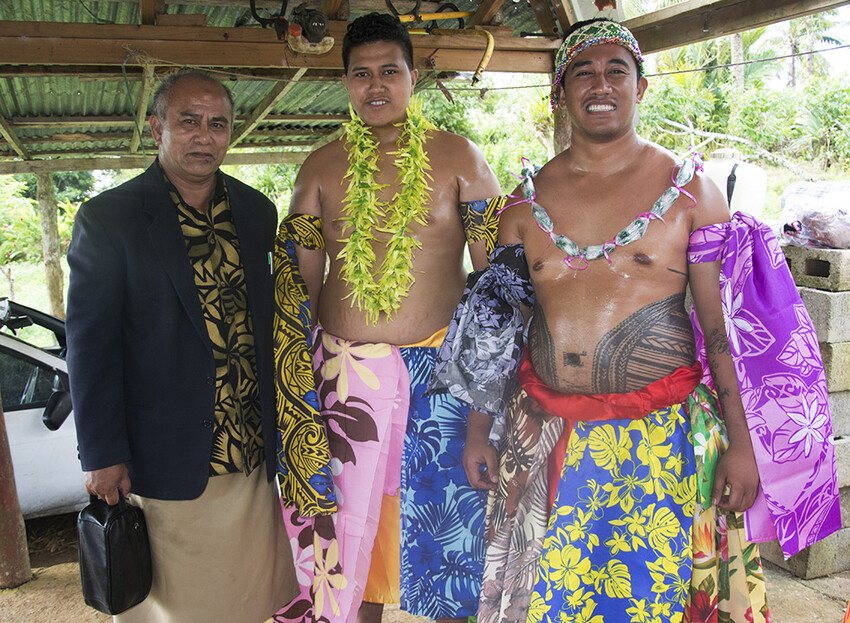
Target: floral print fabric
{"x":387,"y":437}
{"x":627,"y":538}
{"x":781,"y":378}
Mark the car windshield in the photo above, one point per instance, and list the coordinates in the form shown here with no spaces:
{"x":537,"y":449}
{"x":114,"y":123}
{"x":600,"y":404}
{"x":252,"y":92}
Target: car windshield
{"x":32,"y":326}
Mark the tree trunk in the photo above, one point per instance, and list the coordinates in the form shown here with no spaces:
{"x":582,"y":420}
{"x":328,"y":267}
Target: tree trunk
{"x":562,"y":130}
{"x":738,"y":71}
{"x":49,"y":213}
{"x":14,"y":557}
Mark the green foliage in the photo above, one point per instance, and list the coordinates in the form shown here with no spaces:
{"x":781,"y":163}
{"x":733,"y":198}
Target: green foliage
{"x":20,"y":225}
{"x":67,"y":185}
{"x":823,"y":123}
{"x":275,"y":181}
{"x":765,"y":116}
{"x":506,"y":124}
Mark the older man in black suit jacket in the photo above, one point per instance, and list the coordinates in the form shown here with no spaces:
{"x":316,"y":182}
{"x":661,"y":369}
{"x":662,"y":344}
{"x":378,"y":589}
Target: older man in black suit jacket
{"x":169,"y":356}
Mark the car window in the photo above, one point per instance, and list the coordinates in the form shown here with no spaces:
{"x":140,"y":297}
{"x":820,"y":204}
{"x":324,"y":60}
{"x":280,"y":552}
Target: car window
{"x":24,"y":383}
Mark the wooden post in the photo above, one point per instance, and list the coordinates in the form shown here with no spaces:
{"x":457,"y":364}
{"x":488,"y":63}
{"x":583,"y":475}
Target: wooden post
{"x":14,"y":556}
{"x":48,"y":211}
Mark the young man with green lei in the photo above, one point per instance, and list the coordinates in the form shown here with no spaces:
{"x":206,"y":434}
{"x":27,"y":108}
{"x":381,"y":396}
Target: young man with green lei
{"x":376,"y":500}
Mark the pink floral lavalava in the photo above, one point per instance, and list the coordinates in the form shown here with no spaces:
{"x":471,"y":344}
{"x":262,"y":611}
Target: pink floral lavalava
{"x":783,"y":387}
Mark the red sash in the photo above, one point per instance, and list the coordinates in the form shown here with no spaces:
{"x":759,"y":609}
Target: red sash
{"x":672,"y":389}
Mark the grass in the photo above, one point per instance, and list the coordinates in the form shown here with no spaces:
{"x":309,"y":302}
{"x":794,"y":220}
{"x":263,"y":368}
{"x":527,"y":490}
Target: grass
{"x":30,"y":285}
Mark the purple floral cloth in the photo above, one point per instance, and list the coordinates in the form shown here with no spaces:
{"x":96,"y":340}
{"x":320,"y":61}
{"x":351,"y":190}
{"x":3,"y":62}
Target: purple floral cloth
{"x":478,"y":359}
{"x":780,"y":373}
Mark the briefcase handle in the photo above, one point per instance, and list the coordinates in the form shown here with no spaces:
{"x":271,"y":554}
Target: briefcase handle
{"x":122,"y":501}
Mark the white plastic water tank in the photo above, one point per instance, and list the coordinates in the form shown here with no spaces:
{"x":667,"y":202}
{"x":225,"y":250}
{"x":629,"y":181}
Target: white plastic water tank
{"x":750,"y":180}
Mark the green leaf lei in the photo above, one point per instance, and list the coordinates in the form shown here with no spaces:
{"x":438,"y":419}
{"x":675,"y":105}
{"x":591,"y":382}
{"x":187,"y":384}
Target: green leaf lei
{"x":362,"y":212}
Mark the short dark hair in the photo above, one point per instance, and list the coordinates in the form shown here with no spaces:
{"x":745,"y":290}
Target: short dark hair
{"x":376,"y":27}
{"x":162,"y":96}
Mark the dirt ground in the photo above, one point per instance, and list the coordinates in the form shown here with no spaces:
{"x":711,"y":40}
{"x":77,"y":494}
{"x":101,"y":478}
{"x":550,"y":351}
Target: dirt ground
{"x":54,"y":594}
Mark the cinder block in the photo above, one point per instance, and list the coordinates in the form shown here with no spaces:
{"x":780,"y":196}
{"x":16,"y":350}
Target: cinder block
{"x":815,"y":561}
{"x":842,"y":461}
{"x":836,"y":363}
{"x":822,"y":269}
{"x":839,"y":409}
{"x":844,"y":495}
{"x":830,"y":312}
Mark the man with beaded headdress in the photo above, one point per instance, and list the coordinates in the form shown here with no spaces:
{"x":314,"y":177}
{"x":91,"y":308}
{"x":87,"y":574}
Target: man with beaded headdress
{"x":637,"y":454}
{"x":376,"y":500}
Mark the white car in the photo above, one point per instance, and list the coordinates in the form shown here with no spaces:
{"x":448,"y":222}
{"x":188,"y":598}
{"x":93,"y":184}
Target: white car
{"x":39,"y":420}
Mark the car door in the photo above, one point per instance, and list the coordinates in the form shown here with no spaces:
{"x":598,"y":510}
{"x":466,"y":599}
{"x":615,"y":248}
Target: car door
{"x":48,"y":475}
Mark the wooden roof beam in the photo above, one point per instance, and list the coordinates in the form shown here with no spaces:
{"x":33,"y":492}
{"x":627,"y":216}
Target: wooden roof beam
{"x":145,"y":90}
{"x":484,"y":14}
{"x":140,"y":162}
{"x":105,"y":44}
{"x":700,"y":20}
{"x":12,"y":138}
{"x":271,"y":98}
{"x":543,"y":14}
{"x":72,"y":122}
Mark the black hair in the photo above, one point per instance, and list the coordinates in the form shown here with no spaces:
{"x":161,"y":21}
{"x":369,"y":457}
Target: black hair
{"x":162,"y":96}
{"x":376,"y":27}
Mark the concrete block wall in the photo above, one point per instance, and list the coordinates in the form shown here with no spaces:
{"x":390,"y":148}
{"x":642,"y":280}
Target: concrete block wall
{"x":823,"y":277}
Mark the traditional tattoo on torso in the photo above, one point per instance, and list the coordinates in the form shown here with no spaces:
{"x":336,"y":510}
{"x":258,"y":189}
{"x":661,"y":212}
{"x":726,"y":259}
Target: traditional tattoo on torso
{"x":645,"y":347}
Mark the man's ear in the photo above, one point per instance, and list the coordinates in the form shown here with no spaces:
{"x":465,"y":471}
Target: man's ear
{"x":156,"y":128}
{"x":414,"y":75}
{"x":643,"y":84}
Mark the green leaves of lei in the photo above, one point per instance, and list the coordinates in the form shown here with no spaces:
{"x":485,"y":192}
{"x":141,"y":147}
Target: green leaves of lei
{"x":363,"y":212}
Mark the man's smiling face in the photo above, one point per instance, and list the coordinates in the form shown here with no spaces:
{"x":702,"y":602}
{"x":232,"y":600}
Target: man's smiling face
{"x":379,"y":83}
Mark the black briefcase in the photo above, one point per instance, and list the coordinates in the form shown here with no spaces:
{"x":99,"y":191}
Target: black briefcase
{"x":115,"y":556}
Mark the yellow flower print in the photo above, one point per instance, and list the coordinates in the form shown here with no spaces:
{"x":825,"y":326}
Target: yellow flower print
{"x":575,"y":450}
{"x":348,"y":355}
{"x":619,"y":542}
{"x":629,"y":486}
{"x":586,"y":615}
{"x":661,"y":610}
{"x":576,"y":598}
{"x":594,"y":497}
{"x":537,"y":609}
{"x":639,"y":612}
{"x":634,"y":523}
{"x":665,"y":574}
{"x":325,"y":578}
{"x":607,"y":450}
{"x":566,"y":567}
{"x":662,"y":527}
{"x":578,"y":530}
{"x":652,"y":449}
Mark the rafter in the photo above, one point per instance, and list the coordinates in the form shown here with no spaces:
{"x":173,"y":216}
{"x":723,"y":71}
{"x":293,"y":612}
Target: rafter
{"x":74,"y":122}
{"x":9,"y":134}
{"x":701,"y":20}
{"x":142,"y":107}
{"x":486,"y":11}
{"x":543,"y":14}
{"x":272,"y":98}
{"x":140,"y":162}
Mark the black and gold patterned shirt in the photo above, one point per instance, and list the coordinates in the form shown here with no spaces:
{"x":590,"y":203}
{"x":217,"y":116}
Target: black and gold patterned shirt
{"x":219,"y":276}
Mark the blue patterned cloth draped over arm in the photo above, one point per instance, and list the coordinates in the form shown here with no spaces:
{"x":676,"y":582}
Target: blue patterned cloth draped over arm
{"x":478,"y":359}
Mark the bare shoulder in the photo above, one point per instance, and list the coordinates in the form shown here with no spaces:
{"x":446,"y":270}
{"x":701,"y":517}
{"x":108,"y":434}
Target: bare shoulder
{"x":460,"y":157}
{"x":711,"y":206}
{"x":319,"y":169}
{"x":514,"y":218}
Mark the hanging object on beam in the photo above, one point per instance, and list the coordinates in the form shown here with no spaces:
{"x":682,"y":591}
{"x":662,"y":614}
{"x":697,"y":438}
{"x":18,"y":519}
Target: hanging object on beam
{"x":476,"y":32}
{"x":308,"y":31}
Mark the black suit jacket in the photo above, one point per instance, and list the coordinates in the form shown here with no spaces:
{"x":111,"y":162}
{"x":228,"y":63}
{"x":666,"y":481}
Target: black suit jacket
{"x":139,"y":357}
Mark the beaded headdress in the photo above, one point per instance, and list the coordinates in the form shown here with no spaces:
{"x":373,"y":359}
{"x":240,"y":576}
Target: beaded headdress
{"x":594,"y":33}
